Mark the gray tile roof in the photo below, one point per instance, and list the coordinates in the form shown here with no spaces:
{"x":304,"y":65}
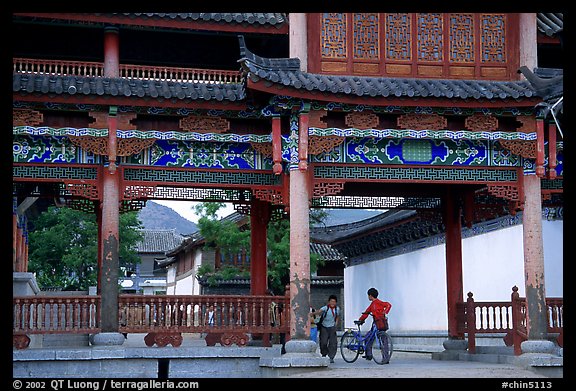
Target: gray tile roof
{"x":273,"y":19}
{"x":158,"y":240}
{"x":550,"y":23}
{"x":286,"y":72}
{"x":327,"y":252}
{"x":103,"y":86}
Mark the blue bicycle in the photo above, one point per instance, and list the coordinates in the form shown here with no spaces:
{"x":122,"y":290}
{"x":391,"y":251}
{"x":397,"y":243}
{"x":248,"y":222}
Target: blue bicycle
{"x":353,"y":343}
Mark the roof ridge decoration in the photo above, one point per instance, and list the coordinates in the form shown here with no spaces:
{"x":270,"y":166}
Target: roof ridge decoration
{"x":286,"y":72}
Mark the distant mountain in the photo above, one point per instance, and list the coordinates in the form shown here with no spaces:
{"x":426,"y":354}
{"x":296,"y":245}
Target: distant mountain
{"x":156,"y":216}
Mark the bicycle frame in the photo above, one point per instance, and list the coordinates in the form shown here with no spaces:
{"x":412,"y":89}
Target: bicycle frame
{"x":363,"y":341}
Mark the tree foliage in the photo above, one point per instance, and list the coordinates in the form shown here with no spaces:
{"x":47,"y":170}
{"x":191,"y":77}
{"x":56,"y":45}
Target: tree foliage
{"x":63,"y":247}
{"x":231,"y":239}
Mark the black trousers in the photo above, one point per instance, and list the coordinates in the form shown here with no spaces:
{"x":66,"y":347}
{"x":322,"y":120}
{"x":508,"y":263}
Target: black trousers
{"x":328,"y":341}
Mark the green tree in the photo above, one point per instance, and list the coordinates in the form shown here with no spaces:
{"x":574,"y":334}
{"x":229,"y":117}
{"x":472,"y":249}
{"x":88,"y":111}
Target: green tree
{"x":63,"y":247}
{"x":230,"y":239}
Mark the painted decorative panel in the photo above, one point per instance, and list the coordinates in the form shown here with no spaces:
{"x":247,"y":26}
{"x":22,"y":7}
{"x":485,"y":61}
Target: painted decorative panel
{"x":366,"y":36}
{"x":430,"y":43}
{"x":461,"y":38}
{"x":493,"y":38}
{"x":419,"y":151}
{"x":333,"y":35}
{"x":398,"y":37}
{"x":185,"y":153}
{"x":51,"y":149}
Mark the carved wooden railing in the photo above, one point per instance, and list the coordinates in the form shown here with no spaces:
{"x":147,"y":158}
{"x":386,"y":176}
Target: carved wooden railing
{"x":162,"y":317}
{"x":506,"y":317}
{"x":54,"y":315}
{"x":128,"y":71}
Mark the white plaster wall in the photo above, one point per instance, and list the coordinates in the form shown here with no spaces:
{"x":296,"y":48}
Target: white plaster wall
{"x":415,"y":283}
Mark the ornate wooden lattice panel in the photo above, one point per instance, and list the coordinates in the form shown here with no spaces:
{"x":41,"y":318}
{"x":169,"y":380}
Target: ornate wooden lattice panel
{"x":481,"y":122}
{"x":430,"y":45}
{"x":362,"y":120}
{"x":493,"y":37}
{"x":333,"y":36}
{"x":430,"y":38}
{"x":461,"y":39}
{"x":422,"y":121}
{"x":26,"y":117}
{"x":398,"y":37}
{"x":198,"y":124}
{"x":366,"y":36}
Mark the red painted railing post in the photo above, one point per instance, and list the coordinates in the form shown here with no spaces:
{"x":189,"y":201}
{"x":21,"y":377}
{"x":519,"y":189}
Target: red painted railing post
{"x":516,"y":320}
{"x":471,"y":323}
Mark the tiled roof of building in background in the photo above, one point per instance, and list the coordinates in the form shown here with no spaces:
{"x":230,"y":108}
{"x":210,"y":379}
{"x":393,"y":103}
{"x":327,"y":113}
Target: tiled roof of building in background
{"x":550,"y":23}
{"x":103,"y":86}
{"x":274,"y":19}
{"x":286,"y":72}
{"x":327,"y":252}
{"x":158,"y":240}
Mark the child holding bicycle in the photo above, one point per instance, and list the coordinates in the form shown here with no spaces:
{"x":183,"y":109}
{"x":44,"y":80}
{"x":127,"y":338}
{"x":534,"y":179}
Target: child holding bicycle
{"x":379,"y":309}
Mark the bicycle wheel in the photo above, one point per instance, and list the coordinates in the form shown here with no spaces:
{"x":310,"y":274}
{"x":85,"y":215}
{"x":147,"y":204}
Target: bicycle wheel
{"x":382,"y":348}
{"x":349,"y":347}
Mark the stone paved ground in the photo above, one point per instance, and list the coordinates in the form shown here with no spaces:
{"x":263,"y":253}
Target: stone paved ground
{"x":418,"y":365}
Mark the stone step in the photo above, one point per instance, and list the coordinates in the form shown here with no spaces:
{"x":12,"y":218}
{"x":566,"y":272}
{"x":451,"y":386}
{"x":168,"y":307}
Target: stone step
{"x":506,"y":350}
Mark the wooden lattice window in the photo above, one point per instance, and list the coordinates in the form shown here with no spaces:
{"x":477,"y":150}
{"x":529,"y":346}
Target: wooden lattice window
{"x":430,"y":45}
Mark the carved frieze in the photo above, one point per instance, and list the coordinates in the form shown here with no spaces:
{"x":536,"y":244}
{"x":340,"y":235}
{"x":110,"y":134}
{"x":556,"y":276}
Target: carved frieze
{"x":265,"y":149}
{"x":99,"y":145}
{"x":26,"y":117}
{"x":524,"y":148}
{"x":199,"y":124}
{"x":362,"y":120}
{"x":417,"y":121}
{"x":481,"y":123}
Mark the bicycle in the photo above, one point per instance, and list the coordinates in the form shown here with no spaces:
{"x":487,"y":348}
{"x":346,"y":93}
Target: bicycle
{"x":352,"y":343}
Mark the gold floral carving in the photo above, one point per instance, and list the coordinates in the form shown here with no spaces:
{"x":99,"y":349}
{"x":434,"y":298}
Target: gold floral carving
{"x":361,"y":120}
{"x":524,"y":148}
{"x":198,"y":124}
{"x":26,"y":117}
{"x":319,"y":144}
{"x":422,"y":122}
{"x":481,"y":123}
{"x":315,"y":119}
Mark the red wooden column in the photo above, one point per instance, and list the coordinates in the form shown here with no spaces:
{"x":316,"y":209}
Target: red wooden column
{"x":14,"y":240}
{"x":300,"y":240}
{"x":259,"y":218}
{"x":454,"y":284}
{"x":110,"y":202}
{"x":536,"y":321}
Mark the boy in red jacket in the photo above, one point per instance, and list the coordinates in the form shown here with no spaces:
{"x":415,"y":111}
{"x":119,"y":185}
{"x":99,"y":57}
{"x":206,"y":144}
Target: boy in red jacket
{"x":377,"y":308}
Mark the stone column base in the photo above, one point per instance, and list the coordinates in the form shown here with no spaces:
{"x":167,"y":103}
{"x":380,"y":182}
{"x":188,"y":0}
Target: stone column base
{"x":542,"y":346}
{"x":107,"y":339}
{"x":452,"y":349}
{"x":300,"y":356}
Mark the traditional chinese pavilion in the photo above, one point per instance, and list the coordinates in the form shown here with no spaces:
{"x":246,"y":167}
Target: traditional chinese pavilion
{"x":278,"y":113}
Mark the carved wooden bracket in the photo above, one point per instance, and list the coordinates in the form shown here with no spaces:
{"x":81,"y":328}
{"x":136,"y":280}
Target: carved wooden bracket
{"x":138,"y":191}
{"x":322,"y":189}
{"x":26,"y":117}
{"x":524,"y":148}
{"x":422,"y":121}
{"x":227,"y":339}
{"x":274,"y":196}
{"x":85,"y":190}
{"x":508,"y":192}
{"x":319,"y":144}
{"x":163,"y":339}
{"x":20,"y":341}
{"x":362,"y":120}
{"x":199,"y":124}
{"x":481,"y":122}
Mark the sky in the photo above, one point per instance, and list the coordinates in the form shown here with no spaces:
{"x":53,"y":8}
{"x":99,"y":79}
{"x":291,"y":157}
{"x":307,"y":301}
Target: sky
{"x":186,"y":209}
